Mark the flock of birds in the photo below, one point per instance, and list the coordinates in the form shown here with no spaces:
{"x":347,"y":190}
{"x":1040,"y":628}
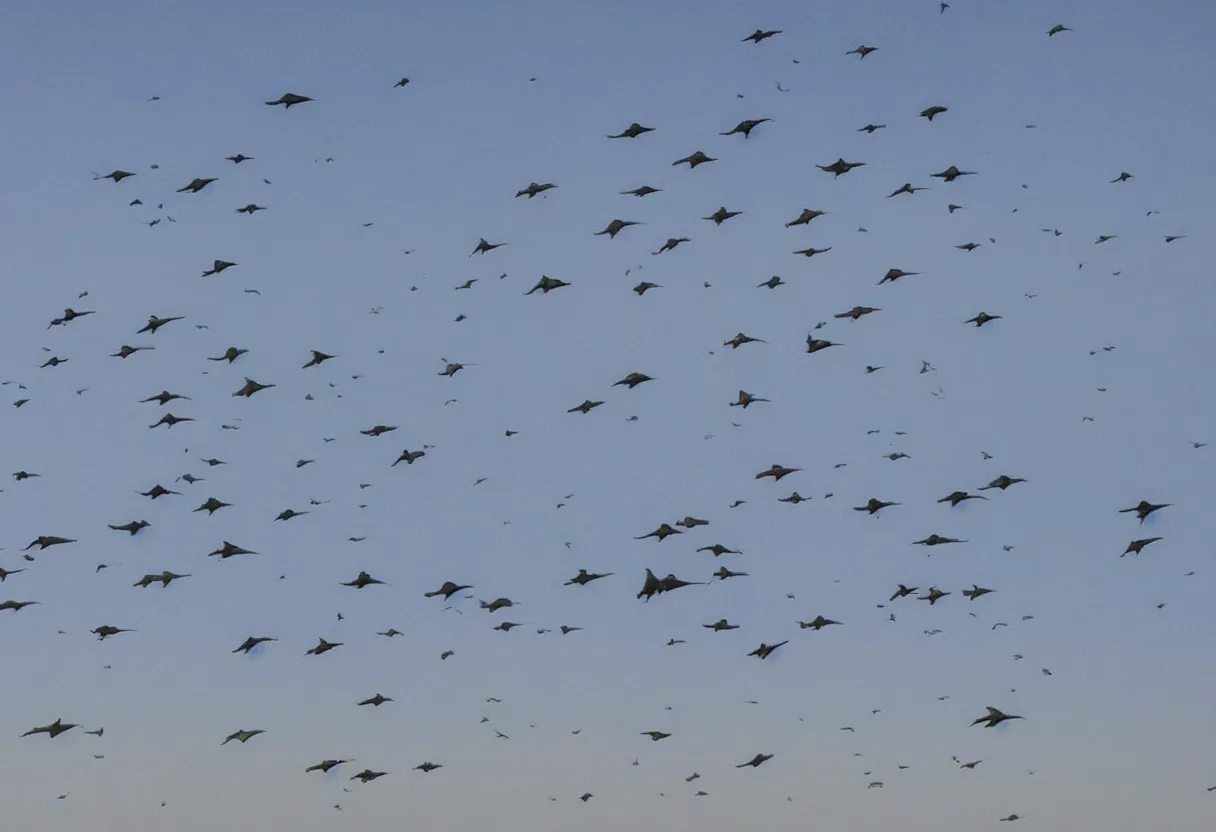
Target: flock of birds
{"x":402,"y":451}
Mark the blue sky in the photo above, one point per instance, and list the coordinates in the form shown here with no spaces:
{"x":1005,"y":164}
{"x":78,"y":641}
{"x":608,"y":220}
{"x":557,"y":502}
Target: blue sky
{"x":1116,"y":737}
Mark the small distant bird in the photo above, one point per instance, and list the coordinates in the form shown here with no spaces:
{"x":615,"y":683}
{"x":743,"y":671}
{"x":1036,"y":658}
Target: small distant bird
{"x":1055,"y":30}
{"x":761,"y":34}
{"x":403,"y":82}
{"x":862,"y":51}
{"x":288,"y":100}
{"x":745,"y":127}
{"x":994,"y":718}
{"x":632,"y":131}
{"x":930,"y":112}
{"x":533,"y":189}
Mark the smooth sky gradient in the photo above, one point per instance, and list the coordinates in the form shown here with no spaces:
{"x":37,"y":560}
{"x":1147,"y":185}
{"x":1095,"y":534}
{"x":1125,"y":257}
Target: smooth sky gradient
{"x":503,"y":94}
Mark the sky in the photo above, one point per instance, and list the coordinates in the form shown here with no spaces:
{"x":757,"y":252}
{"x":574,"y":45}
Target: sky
{"x":504,"y":94}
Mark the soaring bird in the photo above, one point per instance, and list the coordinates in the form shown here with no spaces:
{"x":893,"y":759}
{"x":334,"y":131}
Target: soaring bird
{"x":242,"y":736}
{"x":765,"y":650}
{"x":196,"y":185}
{"x":632,"y":131}
{"x":288,"y":100}
{"x":1136,"y":546}
{"x":755,"y":762}
{"x":862,"y":51}
{"x":533,"y":189}
{"x":325,"y":765}
{"x":840,"y":166}
{"x":615,"y":227}
{"x":951,"y":173}
{"x":1144,"y":508}
{"x":994,"y":718}
{"x":930,"y":112}
{"x":761,"y":34}
{"x":817,"y":624}
{"x":448,"y":589}
{"x":1055,"y":30}
{"x":53,"y":730}
{"x":694,"y":159}
{"x":745,"y":127}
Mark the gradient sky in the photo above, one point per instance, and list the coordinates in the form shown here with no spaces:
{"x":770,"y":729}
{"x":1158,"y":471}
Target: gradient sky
{"x":502,"y":94}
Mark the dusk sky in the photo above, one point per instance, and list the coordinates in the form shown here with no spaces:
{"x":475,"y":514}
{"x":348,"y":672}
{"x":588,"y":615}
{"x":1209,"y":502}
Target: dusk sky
{"x":1093,"y":385}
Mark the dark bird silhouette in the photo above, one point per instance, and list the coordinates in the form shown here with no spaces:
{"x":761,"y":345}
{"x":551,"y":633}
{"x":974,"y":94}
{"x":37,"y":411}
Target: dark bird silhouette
{"x":671,"y":243}
{"x":936,"y":540}
{"x":53,"y":730}
{"x":17,"y":606}
{"x":694,"y":159}
{"x":1136,"y":546}
{"x":765,"y":650}
{"x":661,"y":532}
{"x":483,"y":246}
{"x":46,"y":541}
{"x":375,"y":701}
{"x":448,"y":589}
{"x":873,"y":506}
{"x":930,"y":112}
{"x":1055,"y":30}
{"x":893,"y":275}
{"x":1144,"y":508}
{"x":956,"y":497}
{"x":154,"y":323}
{"x":632,"y":131}
{"x":584,"y":577}
{"x":533,"y":189}
{"x":755,"y":762}
{"x":289,"y":100}
{"x":106,"y":630}
{"x":116,"y":175}
{"x":862,"y":51}
{"x":975,"y":592}
{"x":252,"y":387}
{"x":981,"y":319}
{"x":777,"y":472}
{"x":994,"y":718}
{"x":951,"y":173}
{"x":323,"y":646}
{"x":761,"y":34}
{"x":615,"y":227}
{"x":197,"y":185}
{"x":817,"y":624}
{"x":361,"y":580}
{"x":645,"y":190}
{"x":745,"y":127}
{"x":242,"y":736}
{"x":1002,"y":482}
{"x":252,"y":642}
{"x":326,"y":765}
{"x":857,"y":311}
{"x":633,"y":380}
{"x":840,"y":166}
{"x":903,"y":592}
{"x":721,"y":625}
{"x":132,"y":528}
{"x":654,"y":585}
{"x":546,"y":285}
{"x":722,"y":215}
{"x":164,"y":579}
{"x":218,"y":267}
{"x":238,"y":158}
